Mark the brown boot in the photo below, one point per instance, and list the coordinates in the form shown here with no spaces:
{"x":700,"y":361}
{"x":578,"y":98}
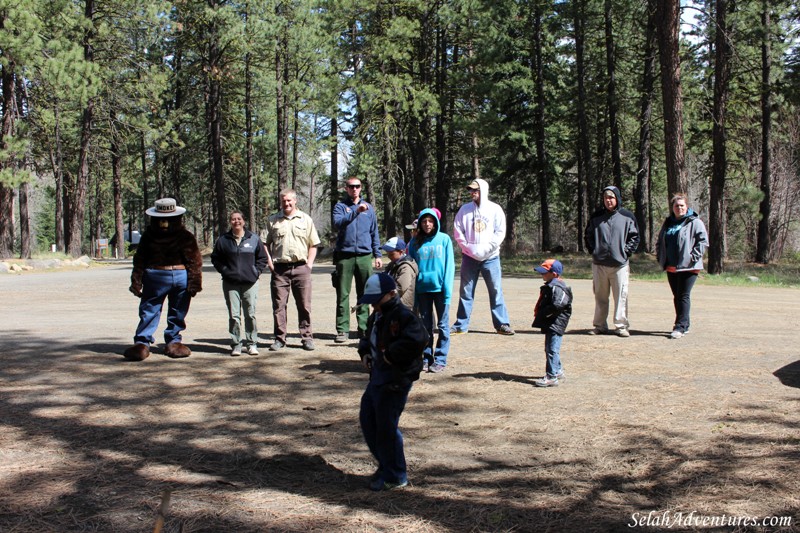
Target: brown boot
{"x":176,"y":350}
{"x":137,"y":352}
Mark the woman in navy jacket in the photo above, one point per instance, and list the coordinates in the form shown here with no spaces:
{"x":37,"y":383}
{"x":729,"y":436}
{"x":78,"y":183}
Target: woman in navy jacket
{"x":240,"y":256}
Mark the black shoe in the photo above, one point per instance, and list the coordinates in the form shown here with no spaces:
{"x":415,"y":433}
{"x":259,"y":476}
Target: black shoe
{"x":379,"y":485}
{"x":308,"y":345}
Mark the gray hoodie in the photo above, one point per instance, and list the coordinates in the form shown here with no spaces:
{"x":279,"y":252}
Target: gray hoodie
{"x":611,"y":236}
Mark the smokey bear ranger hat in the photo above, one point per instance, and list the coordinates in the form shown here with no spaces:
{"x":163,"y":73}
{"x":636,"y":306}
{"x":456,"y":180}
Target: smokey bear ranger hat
{"x":166,"y":207}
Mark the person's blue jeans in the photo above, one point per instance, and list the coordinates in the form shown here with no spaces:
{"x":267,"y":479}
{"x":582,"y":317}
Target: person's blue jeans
{"x":552,"y":348}
{"x":492,"y":275}
{"x":157,"y":286}
{"x":381,"y":407}
{"x":241,"y":299}
{"x":681,"y":284}
{"x":427,"y":302}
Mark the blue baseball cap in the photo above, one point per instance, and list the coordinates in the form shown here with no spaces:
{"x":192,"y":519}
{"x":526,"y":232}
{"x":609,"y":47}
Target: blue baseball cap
{"x":395,"y":244}
{"x":550,"y":265}
{"x":377,"y":286}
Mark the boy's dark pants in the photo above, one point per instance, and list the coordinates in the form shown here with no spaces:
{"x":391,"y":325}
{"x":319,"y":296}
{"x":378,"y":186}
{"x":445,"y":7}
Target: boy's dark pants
{"x":381,"y":408}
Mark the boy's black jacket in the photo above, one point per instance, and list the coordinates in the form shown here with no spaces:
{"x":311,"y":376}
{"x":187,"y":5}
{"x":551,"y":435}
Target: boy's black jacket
{"x":554,"y":307}
{"x":401,"y":340}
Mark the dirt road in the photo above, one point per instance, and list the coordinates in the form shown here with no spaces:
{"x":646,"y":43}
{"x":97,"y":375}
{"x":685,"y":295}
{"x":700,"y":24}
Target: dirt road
{"x":642,"y":427}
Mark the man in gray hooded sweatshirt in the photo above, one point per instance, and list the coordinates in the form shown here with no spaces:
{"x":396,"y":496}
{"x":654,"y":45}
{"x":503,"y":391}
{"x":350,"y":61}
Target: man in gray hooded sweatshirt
{"x":611,"y":236}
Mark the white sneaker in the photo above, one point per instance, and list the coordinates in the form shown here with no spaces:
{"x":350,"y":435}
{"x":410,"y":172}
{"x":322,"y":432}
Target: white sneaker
{"x":623,"y":332}
{"x":675,"y":334}
{"x":236,"y":352}
{"x":252,"y":350}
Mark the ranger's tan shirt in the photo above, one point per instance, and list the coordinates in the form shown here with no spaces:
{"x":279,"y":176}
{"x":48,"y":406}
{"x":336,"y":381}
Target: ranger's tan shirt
{"x":289,"y":238}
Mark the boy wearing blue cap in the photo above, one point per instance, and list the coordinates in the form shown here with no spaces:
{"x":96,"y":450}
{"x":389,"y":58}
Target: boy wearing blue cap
{"x":392,"y":351}
{"x":402,"y":268}
{"x":552,"y":313}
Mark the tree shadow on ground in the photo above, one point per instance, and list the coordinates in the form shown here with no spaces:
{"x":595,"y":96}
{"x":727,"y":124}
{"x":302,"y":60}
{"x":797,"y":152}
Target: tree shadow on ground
{"x":789,"y":375}
{"x":238,"y":443}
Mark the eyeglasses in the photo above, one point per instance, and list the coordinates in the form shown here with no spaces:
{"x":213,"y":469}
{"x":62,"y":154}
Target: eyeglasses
{"x":357,"y":186}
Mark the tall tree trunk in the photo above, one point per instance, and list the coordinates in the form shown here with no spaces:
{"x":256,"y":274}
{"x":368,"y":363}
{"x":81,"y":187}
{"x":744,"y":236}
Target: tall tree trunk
{"x":295,"y":143}
{"x":641,"y":190}
{"x":9,"y":162}
{"x":473,"y":106}
{"x":57,"y":163}
{"x":764,"y":245}
{"x":97,"y":227}
{"x":143,"y":168}
{"x":25,"y":228}
{"x":248,"y":125}
{"x":441,"y":190}
{"x":334,"y":177}
{"x":389,"y":185}
{"x":668,"y":15}
{"x":611,"y":97}
{"x":175,"y":155}
{"x":6,"y":221}
{"x":476,"y":160}
{"x":585,"y":177}
{"x":282,"y":113}
{"x":78,"y":199}
{"x":722,"y":68}
{"x":116,"y":188}
{"x":542,"y":174}
{"x":25,"y":239}
{"x":214,"y":125}
{"x":601,"y":168}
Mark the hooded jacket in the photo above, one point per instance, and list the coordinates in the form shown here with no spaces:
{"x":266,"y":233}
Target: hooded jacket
{"x":239,"y":263}
{"x":479,"y":230}
{"x":404,"y":271}
{"x":611,"y":236}
{"x":682,"y":243}
{"x":394,"y":343}
{"x":554,"y":307}
{"x":434,"y":256}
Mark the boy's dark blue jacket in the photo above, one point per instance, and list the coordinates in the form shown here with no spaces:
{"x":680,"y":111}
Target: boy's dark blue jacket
{"x":239,"y":264}
{"x":554,"y":307}
{"x":400,"y":338}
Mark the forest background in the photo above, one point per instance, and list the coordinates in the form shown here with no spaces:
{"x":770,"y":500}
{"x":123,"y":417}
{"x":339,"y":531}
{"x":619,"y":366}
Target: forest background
{"x":107,"y":106}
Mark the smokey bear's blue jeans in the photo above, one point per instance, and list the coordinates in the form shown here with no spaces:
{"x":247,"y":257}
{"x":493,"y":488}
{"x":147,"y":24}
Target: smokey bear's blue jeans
{"x":157,"y":286}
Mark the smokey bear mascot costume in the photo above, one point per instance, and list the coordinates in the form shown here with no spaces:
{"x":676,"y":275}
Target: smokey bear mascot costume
{"x":167,"y":265}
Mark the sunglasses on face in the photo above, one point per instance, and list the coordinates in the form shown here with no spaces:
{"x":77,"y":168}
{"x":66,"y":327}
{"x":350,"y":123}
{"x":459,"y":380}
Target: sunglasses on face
{"x":358,"y":186}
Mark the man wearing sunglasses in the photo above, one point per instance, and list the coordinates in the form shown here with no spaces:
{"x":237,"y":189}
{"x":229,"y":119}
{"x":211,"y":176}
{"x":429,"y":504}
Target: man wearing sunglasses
{"x":357,"y":251}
